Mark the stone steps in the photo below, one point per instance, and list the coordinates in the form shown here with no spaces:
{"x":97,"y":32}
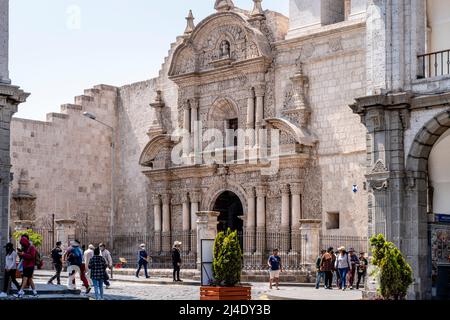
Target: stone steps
{"x":49,"y":292}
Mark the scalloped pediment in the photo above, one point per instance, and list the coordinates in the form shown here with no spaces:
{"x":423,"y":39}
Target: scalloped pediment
{"x":299,"y":135}
{"x":221,"y":39}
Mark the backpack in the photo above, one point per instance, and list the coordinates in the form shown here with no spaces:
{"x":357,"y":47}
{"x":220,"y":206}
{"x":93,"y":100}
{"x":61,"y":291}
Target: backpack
{"x":75,"y":257}
{"x":38,"y":260}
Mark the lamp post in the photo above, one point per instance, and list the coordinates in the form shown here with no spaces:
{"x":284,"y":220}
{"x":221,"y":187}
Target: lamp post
{"x":113,"y":160}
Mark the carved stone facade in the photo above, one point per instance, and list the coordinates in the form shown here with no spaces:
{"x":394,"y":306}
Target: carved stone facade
{"x":234,"y":70}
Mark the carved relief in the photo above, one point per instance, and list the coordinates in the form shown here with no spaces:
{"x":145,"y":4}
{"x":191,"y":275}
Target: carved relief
{"x":335,"y":44}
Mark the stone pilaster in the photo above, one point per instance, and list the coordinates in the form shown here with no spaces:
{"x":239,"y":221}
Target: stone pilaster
{"x":206,"y":229}
{"x":251,"y":109}
{"x":310,"y":234}
{"x":285,"y":217}
{"x":261,"y":192}
{"x":166,"y":241}
{"x":250,"y":245}
{"x":4,"y":41}
{"x":260,"y":91}
{"x":65,"y":231}
{"x":157,"y":216}
{"x":296,"y":191}
{"x":195,"y":197}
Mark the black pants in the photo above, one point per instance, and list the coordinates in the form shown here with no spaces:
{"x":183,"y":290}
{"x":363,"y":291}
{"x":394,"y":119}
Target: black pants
{"x":57,"y":276}
{"x":328,"y":279}
{"x":360,"y":276}
{"x":140,"y":265}
{"x":10,"y":274}
{"x":176,"y":271}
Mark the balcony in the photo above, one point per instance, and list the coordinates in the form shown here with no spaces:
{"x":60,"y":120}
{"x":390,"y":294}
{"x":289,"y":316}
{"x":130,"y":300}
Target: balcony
{"x":435,"y":64}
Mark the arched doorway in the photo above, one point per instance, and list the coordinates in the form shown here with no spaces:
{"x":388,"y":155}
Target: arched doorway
{"x":230,"y":207}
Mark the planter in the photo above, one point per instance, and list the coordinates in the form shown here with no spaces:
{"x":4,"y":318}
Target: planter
{"x":226,"y":293}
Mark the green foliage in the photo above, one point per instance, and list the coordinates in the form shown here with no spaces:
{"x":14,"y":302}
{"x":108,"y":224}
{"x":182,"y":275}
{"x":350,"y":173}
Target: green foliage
{"x":35,"y":238}
{"x":227,"y":263}
{"x":395,"y":273}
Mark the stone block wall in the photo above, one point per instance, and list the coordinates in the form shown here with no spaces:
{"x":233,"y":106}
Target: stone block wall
{"x":334,"y":62}
{"x":68,"y":159}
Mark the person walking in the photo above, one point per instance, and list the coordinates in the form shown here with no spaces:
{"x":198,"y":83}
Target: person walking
{"x":109,"y":262}
{"x":74,"y":258}
{"x":142,"y":261}
{"x":28,"y":256}
{"x":87,"y":256}
{"x":10,"y":269}
{"x":176,"y":261}
{"x":354,"y":266}
{"x":97,"y":266}
{"x":343,"y":265}
{"x":57,"y":255}
{"x":276,"y":268}
{"x":362,"y":269}
{"x":319,"y":273}
{"x":327,"y":267}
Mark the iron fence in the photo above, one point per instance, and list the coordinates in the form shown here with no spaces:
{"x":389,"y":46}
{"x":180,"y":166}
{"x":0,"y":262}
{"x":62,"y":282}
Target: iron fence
{"x":360,"y":244}
{"x":434,"y":64}
{"x":48,"y":239}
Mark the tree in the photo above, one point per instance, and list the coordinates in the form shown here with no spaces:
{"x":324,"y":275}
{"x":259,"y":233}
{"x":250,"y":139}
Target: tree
{"x":395,"y":272}
{"x":227,"y":263}
{"x":35,"y":238}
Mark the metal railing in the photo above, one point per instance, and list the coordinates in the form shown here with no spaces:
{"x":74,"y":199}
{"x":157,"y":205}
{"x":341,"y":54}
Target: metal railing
{"x":360,"y":244}
{"x":434,"y":64}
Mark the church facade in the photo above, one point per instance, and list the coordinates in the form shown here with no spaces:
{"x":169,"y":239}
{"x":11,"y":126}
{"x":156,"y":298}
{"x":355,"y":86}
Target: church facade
{"x":313,"y":128}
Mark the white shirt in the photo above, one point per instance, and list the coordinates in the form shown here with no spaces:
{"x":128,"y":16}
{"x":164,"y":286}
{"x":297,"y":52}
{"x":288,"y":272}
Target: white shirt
{"x":88,"y":254}
{"x":11,"y":261}
{"x":343,"y":262}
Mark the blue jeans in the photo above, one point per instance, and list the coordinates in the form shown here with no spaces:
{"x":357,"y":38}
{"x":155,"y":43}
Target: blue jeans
{"x":343,"y":275}
{"x":140,"y":265}
{"x":98,"y":286}
{"x":320,"y":275}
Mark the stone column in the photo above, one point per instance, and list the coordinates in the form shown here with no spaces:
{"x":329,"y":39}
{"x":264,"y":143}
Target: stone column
{"x":251,"y":109}
{"x":310,"y":233}
{"x":157,"y":222}
{"x":195,"y":197}
{"x":285,"y":216}
{"x":249,"y":246}
{"x":259,"y":92}
{"x":65,"y":231}
{"x":261,"y":219}
{"x":187,"y":118}
{"x":166,"y":245}
{"x":296,"y":190}
{"x":195,"y":130}
{"x":186,"y":221}
{"x":206,"y":229}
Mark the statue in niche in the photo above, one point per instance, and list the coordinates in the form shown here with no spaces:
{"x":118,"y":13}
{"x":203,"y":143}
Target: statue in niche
{"x":225,"y":49}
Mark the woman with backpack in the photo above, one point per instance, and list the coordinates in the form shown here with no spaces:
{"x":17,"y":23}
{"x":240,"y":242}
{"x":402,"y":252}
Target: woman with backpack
{"x":343,"y":265}
{"x":10,"y":269}
{"x":97,"y":266}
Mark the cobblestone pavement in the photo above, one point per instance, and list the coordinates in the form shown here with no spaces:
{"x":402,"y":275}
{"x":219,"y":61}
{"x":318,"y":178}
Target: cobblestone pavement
{"x":138,"y":290}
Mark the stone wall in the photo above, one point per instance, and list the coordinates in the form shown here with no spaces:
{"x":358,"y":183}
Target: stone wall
{"x":334,"y":62}
{"x":68,"y":159}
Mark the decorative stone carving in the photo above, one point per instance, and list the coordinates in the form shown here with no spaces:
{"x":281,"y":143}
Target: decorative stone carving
{"x":224,"y":5}
{"x":156,"y":199}
{"x":379,"y":167}
{"x":190,"y":23}
{"x":296,"y":107}
{"x":335,"y":44}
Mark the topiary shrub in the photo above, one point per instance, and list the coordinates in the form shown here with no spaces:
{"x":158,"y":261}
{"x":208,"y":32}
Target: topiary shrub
{"x":227,"y":263}
{"x":35,"y":238}
{"x":395,"y":273}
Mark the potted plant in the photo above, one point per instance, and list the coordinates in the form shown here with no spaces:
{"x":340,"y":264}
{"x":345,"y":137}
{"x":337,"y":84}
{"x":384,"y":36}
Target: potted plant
{"x":393,"y":273}
{"x":227,"y":267}
{"x":34,"y":237}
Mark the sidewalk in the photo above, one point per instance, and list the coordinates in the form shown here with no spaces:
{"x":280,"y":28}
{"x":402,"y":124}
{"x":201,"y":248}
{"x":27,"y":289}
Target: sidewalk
{"x":44,"y":275}
{"x":309,"y":293}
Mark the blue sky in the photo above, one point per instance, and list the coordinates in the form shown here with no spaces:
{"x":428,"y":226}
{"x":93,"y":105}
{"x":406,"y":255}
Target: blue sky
{"x":58,"y":48}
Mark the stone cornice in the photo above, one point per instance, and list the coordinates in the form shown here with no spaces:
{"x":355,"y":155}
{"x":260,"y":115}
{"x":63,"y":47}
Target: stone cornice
{"x":324,"y":31}
{"x":232,"y":71}
{"x":388,"y":101}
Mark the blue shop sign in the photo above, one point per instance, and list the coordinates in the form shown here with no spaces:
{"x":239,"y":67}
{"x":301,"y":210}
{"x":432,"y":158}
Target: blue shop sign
{"x":443,"y":218}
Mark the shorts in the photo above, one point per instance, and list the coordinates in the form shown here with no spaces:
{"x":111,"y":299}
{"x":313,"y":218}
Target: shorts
{"x":28,"y":272}
{"x":275,"y":274}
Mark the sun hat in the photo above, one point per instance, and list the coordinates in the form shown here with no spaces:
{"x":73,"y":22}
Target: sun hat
{"x":91,"y":246}
{"x":142,"y":245}
{"x":341,"y":248}
{"x":177,"y":243}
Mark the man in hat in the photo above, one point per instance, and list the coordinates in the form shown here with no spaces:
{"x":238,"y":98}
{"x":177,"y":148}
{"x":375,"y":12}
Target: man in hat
{"x":57,"y":263}
{"x":176,"y":261}
{"x":74,"y":258}
{"x":354,"y":266}
{"x":142,"y":261}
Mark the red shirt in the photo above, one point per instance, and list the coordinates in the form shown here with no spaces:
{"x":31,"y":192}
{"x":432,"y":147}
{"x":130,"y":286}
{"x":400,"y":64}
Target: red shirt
{"x":29,"y":254}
